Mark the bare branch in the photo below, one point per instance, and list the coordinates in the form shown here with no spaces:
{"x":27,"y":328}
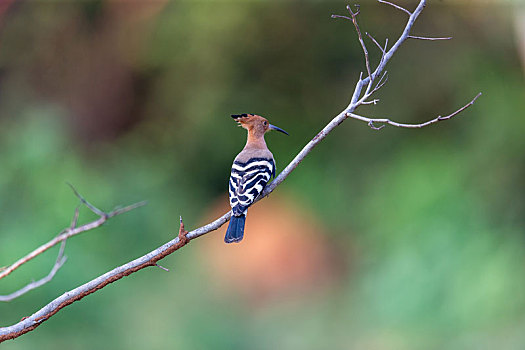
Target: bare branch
{"x":69,"y":232}
{"x":60,"y":261}
{"x":356,"y":99}
{"x":31,"y":322}
{"x":371,"y":121}
{"x":428,"y":38}
{"x":396,"y":6}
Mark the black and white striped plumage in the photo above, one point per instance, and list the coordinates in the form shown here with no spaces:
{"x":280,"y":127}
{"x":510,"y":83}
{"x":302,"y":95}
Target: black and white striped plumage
{"x":247,"y":180}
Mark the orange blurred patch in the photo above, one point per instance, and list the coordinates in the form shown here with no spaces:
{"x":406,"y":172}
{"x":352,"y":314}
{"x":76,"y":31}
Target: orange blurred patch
{"x":284,"y":250}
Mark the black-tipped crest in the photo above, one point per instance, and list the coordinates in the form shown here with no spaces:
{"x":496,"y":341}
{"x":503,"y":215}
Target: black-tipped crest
{"x":237,"y":116}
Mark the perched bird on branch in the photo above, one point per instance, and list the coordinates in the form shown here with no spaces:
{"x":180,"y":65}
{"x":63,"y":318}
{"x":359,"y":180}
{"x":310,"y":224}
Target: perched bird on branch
{"x":251,"y":171}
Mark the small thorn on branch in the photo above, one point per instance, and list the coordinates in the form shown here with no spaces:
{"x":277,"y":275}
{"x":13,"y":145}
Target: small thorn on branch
{"x":373,"y":102}
{"x":162,"y":267}
{"x":183,"y":240}
{"x":428,"y":38}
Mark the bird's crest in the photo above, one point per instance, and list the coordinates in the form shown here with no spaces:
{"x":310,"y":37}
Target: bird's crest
{"x":255,"y":124}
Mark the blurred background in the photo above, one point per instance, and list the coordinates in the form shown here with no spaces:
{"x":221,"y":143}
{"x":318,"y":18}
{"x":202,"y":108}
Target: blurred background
{"x":391,"y":239}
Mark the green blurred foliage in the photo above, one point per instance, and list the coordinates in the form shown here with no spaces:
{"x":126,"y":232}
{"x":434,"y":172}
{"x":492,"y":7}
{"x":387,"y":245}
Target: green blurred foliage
{"x":131,"y":102}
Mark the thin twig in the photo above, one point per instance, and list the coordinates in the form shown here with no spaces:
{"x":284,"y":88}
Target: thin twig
{"x":428,"y":38}
{"x":86,"y":203}
{"x":375,"y":42}
{"x":382,"y":81}
{"x":74,"y":221}
{"x":371,"y":121}
{"x":353,"y":18}
{"x":361,"y":41}
{"x":339,"y":16}
{"x":60,"y":261}
{"x":396,"y":6}
{"x":382,"y":57}
{"x":382,"y":49}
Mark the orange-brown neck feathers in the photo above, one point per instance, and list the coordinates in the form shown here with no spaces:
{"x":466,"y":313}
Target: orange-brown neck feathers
{"x":256,"y":125}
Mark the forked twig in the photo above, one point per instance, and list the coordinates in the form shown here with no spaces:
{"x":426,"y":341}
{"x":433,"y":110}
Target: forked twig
{"x":73,"y":230}
{"x":60,"y":261}
{"x":353,"y":18}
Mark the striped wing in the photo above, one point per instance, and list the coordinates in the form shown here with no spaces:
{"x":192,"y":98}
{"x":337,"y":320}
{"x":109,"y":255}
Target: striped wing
{"x":247,"y":180}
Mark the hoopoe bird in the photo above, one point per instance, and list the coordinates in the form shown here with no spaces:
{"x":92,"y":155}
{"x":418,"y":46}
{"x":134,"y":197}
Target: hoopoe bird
{"x":251,"y":171}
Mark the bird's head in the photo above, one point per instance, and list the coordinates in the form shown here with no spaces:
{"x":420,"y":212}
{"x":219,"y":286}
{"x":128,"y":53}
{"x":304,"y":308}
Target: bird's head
{"x":255,"y":124}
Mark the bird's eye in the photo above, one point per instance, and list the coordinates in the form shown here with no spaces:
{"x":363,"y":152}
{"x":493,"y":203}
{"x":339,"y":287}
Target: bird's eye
{"x":265,"y":123}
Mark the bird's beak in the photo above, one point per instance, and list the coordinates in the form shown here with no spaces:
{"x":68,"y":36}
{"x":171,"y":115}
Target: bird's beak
{"x":273,"y":127}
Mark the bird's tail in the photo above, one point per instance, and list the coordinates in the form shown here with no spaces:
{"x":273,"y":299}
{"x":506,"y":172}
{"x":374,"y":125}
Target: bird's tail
{"x":235,"y":231}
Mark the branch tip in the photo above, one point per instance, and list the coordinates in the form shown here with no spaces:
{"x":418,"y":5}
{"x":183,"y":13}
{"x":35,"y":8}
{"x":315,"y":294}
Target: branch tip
{"x":428,"y":38}
{"x":118,"y":211}
{"x":396,"y":6}
{"x":339,"y":16}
